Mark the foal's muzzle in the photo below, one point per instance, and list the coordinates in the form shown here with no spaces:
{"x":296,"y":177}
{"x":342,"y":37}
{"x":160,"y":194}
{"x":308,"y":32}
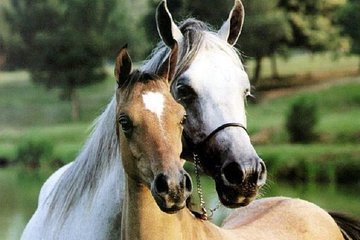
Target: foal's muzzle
{"x":171,"y":190}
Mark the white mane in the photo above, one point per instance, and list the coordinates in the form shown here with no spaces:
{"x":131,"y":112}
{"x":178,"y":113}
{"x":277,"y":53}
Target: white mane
{"x":99,"y":156}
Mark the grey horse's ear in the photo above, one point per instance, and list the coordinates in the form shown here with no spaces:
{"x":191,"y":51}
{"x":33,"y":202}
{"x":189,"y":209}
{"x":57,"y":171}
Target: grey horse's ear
{"x":123,"y":66}
{"x":168,"y":30}
{"x":231,"y":29}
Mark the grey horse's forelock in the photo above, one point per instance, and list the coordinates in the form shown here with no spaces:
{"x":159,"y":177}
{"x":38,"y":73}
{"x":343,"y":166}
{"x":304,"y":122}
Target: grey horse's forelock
{"x":196,"y":34}
{"x":193,"y":31}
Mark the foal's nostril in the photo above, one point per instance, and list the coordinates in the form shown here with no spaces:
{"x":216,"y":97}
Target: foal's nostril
{"x":233,"y":173}
{"x":161,"y":183}
{"x":262,"y":174}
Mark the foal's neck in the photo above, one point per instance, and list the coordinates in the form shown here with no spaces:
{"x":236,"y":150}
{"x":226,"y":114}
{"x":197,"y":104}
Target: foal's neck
{"x":142,"y":219}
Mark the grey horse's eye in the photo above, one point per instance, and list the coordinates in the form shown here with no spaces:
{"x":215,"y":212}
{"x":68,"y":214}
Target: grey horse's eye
{"x":185,"y":93}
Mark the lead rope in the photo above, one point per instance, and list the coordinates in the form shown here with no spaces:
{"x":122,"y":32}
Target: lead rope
{"x":203,"y":214}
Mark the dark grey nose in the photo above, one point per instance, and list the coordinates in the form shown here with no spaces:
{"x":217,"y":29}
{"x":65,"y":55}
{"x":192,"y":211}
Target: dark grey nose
{"x":235,"y":174}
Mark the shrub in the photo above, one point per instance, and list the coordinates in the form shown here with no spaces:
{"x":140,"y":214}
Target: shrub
{"x":31,"y":151}
{"x":301,"y":121}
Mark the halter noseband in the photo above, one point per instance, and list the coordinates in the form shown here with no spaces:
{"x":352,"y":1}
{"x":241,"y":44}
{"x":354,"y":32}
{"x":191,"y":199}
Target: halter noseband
{"x":196,"y":147}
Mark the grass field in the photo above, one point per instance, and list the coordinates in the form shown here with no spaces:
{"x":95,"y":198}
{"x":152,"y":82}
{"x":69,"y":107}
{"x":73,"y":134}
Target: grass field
{"x":306,"y":63}
{"x":338,"y":107}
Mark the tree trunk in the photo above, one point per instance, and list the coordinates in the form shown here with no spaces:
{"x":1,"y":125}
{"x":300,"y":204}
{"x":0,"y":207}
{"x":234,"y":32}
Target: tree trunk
{"x":274,"y":68}
{"x":256,"y":77}
{"x":75,"y":105}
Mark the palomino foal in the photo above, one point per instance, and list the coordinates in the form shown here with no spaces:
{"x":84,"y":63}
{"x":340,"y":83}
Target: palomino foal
{"x":149,"y":127}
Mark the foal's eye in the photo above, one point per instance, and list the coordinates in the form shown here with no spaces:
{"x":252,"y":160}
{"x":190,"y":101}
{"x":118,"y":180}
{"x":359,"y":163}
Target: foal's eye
{"x":126,"y":124}
{"x":183,"y":120}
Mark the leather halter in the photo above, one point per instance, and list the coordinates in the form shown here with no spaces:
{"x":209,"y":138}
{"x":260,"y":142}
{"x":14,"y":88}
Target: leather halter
{"x":196,"y":147}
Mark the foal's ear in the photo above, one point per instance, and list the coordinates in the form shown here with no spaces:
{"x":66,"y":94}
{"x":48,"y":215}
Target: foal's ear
{"x":167,"y":69}
{"x":231,"y":29}
{"x":122,"y":66}
{"x":168,"y":30}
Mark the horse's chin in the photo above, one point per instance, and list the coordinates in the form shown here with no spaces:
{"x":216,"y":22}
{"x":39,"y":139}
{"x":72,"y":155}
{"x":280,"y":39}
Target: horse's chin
{"x":172,"y":210}
{"x":168,"y":206}
{"x":230,"y":204}
{"x":234,"y":197}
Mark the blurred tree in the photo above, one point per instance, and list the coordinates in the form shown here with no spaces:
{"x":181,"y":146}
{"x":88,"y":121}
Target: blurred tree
{"x":301,"y":120}
{"x":313,"y":23}
{"x":148,"y":21}
{"x":349,"y":18}
{"x":25,"y":18}
{"x":64,"y":42}
{"x":213,"y":12}
{"x":266,"y":31}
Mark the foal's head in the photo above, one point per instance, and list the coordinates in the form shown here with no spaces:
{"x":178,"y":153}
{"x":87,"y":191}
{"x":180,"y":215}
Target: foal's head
{"x":149,"y":127}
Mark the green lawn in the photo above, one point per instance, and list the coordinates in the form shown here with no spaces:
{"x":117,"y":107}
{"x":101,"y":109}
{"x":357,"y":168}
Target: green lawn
{"x":338,"y":109}
{"x":306,"y":63}
{"x":31,"y":111}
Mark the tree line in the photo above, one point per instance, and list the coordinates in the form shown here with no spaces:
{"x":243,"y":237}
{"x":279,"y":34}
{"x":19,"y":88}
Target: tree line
{"x":66,"y":43}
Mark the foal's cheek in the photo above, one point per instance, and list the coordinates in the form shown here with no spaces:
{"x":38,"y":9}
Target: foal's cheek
{"x":145,"y":172}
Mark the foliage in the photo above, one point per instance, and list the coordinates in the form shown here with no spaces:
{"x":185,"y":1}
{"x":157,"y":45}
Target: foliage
{"x":301,"y":120}
{"x":24,"y":19}
{"x":349,"y":17}
{"x":32,"y":151}
{"x":182,"y":9}
{"x":316,"y":162}
{"x":266,"y":31}
{"x":64,"y":43}
{"x":313,"y":23}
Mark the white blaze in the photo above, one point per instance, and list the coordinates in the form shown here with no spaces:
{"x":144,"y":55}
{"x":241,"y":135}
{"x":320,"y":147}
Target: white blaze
{"x":154,"y":102}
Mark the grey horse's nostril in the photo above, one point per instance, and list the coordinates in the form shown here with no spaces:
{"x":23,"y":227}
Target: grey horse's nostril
{"x":161,"y":183}
{"x":233,"y":173}
{"x":262,"y":174}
